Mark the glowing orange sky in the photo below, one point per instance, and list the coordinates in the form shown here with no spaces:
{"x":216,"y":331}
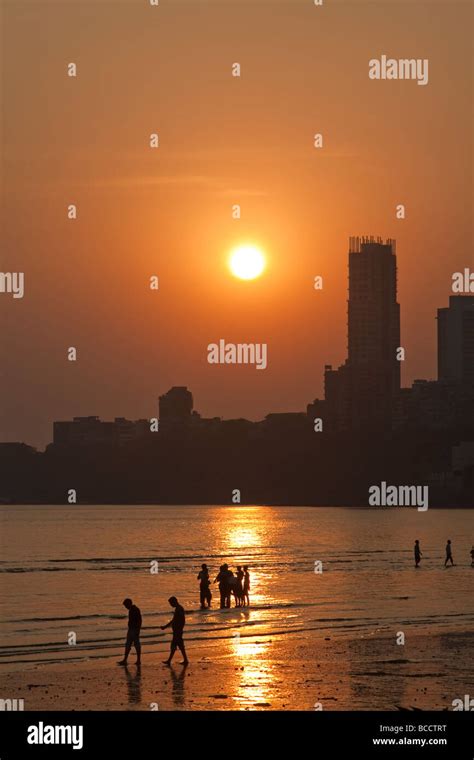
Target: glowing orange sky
{"x":168,"y":212}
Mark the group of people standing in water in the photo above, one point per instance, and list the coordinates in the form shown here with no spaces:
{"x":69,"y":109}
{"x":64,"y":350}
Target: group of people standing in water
{"x":237,"y":584}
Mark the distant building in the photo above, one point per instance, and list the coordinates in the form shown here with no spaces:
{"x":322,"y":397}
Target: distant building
{"x":316,"y":410}
{"x":360,"y":393}
{"x":459,"y":478}
{"x":131,"y":430}
{"x":463,"y":468}
{"x":446,"y":403}
{"x":176,"y":409}
{"x":286,"y":423}
{"x":15,"y":448}
{"x":83,"y":431}
{"x":456,"y":341}
{"x":463,"y":456}
{"x":18,"y":468}
{"x":434,"y":405}
{"x":207,"y":424}
{"x":373,"y":311}
{"x":92,"y":431}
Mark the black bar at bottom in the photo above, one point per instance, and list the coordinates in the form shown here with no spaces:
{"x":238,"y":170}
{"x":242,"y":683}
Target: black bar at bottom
{"x":131,"y":734}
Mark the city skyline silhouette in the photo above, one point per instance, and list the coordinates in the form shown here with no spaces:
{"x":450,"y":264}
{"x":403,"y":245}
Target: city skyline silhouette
{"x":365,"y":410}
{"x":169,"y":211}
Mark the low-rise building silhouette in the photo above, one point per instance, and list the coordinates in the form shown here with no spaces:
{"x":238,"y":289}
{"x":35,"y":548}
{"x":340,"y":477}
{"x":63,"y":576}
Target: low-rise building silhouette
{"x":92,"y":431}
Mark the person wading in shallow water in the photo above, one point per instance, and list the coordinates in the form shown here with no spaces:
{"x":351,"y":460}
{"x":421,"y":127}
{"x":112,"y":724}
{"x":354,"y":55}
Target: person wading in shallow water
{"x":246,"y":588}
{"x":133,"y":633}
{"x":449,"y":553}
{"x":204,"y":587}
{"x":238,"y":588}
{"x":176,"y":624}
{"x":224,"y":578}
{"x":418,"y":554}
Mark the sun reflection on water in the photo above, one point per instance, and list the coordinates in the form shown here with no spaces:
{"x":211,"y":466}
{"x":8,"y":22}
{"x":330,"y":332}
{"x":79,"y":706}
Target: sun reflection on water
{"x":254,"y":674}
{"x":248,"y":528}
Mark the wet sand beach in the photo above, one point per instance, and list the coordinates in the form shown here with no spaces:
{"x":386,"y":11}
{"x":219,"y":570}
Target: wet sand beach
{"x":370,"y":673}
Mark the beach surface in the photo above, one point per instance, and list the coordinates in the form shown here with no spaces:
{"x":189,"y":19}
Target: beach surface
{"x":369,"y":673}
{"x":340,"y":619}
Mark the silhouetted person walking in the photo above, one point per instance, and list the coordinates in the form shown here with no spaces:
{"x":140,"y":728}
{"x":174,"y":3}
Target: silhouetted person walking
{"x":246,"y":589}
{"x":176,"y":624}
{"x":472,"y":557}
{"x":418,"y":554}
{"x":449,"y":554}
{"x":133,"y":633}
{"x":204,"y":587}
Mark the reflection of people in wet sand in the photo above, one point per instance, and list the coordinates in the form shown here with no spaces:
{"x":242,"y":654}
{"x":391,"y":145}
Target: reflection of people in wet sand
{"x":449,"y":554}
{"x":246,"y":588}
{"x":178,"y":686}
{"x":133,"y":633}
{"x":134,"y":686}
{"x":176,"y":624}
{"x":204,"y":587}
{"x":418,"y":554}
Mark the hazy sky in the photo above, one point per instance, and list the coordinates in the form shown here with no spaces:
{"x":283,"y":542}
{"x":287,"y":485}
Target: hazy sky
{"x":167,"y":212}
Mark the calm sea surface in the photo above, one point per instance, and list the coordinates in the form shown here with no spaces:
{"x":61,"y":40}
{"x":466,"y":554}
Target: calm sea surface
{"x":67,"y":569}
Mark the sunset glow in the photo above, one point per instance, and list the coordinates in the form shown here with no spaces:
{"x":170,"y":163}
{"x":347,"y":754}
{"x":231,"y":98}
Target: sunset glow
{"x":237,"y":367}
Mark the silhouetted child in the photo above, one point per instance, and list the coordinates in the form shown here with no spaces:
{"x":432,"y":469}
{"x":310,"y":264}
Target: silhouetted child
{"x":231,"y":581}
{"x":176,"y":624}
{"x":133,"y":633}
{"x":246,"y":588}
{"x":449,"y":554}
{"x":418,"y":553}
{"x":238,"y":588}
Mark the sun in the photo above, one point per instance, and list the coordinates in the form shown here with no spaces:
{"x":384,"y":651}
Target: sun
{"x":247,"y":262}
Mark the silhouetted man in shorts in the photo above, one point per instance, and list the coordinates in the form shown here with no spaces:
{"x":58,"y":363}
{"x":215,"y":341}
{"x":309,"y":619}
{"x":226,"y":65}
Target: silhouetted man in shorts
{"x":176,"y":624}
{"x":133,"y":633}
